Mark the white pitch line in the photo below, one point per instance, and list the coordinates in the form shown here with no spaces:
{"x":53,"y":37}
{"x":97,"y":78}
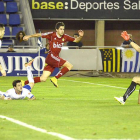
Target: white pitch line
{"x":95,"y":84}
{"x":64,"y":137}
{"x":108,"y":139}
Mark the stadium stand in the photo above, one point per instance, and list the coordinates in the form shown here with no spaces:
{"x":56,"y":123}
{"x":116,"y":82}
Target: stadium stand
{"x":2,"y":6}
{"x":14,"y":20}
{"x":15,"y":30}
{"x":10,"y":16}
{"x":7,"y":42}
{"x":11,"y":7}
{"x":3,"y":19}
{"x":7,"y":33}
{"x":8,"y":0}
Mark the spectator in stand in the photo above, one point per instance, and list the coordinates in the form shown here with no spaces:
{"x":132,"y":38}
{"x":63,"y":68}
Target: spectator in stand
{"x":79,"y":44}
{"x":19,"y":39}
{"x":11,"y":48}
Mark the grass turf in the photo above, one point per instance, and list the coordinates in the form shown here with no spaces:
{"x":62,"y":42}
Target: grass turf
{"x":79,"y":110}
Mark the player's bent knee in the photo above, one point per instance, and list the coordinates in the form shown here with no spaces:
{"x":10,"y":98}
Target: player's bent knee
{"x":70,"y":66}
{"x":43,"y":79}
{"x":136,"y":79}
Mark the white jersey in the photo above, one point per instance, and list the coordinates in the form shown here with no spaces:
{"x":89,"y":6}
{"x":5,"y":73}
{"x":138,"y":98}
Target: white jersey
{"x":12,"y":94}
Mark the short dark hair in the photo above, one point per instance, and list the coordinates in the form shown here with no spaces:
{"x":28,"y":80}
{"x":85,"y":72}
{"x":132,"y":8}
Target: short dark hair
{"x":58,"y":24}
{"x":1,"y":25}
{"x":15,"y":82}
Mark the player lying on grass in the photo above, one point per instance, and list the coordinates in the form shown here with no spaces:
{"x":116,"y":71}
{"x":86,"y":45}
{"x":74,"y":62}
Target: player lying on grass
{"x":2,"y":32}
{"x":19,"y":92}
{"x":56,"y":42}
{"x":135,"y":80}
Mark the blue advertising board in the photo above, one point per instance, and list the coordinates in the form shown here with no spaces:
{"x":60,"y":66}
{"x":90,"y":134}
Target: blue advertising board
{"x":13,"y":63}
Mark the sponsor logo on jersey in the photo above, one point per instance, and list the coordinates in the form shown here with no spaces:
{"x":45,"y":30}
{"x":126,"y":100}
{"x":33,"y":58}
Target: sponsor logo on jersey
{"x":54,"y":57}
{"x":57,"y":45}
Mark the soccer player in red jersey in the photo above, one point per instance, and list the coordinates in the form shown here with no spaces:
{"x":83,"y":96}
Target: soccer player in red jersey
{"x":56,"y":41}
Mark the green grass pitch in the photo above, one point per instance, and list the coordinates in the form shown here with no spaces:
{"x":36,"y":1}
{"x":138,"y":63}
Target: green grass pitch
{"x":81,"y":108}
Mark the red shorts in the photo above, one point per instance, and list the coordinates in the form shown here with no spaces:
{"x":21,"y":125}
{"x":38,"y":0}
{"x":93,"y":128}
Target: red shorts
{"x":53,"y":62}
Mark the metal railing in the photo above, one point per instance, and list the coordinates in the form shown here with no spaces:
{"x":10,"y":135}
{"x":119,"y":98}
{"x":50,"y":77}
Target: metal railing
{"x":21,"y":49}
{"x":27,"y":49}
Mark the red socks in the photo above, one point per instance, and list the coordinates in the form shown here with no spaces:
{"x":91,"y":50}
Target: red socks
{"x":62,"y":72}
{"x":36,"y":80}
{"x":59,"y":74}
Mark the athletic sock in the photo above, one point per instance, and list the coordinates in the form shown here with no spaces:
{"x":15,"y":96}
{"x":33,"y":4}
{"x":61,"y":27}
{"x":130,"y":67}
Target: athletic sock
{"x":62,"y":72}
{"x":36,"y":80}
{"x":29,"y":74}
{"x":129,"y":91}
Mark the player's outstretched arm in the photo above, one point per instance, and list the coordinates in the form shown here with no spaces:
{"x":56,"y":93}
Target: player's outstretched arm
{"x":33,"y":98}
{"x":81,"y":34}
{"x":135,"y":46}
{"x":3,"y":72}
{"x":126,"y":37}
{"x":5,"y":98}
{"x":25,"y":38}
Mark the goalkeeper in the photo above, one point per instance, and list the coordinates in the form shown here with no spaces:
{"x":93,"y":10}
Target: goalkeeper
{"x":135,"y":80}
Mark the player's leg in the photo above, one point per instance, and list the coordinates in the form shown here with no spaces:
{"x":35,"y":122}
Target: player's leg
{"x":131,"y":88}
{"x":46,"y":73}
{"x":1,"y":93}
{"x":129,"y":91}
{"x":65,"y":68}
{"x":44,"y":76}
{"x":29,"y":73}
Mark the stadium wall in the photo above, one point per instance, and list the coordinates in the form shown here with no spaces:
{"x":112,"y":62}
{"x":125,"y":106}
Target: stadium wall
{"x":113,"y":30}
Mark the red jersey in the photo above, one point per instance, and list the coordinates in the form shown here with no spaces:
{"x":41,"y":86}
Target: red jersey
{"x":55,"y":42}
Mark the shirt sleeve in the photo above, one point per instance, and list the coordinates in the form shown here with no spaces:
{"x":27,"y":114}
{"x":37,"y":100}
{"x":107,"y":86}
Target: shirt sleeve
{"x":69,"y":38}
{"x":47,"y":35}
{"x":30,"y":95}
{"x":7,"y":93}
